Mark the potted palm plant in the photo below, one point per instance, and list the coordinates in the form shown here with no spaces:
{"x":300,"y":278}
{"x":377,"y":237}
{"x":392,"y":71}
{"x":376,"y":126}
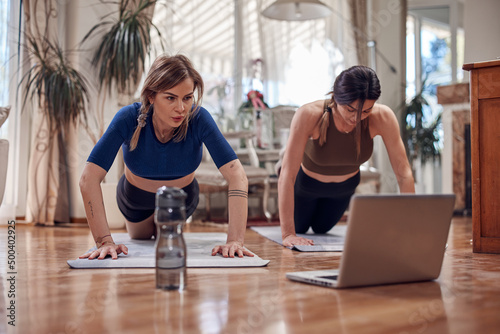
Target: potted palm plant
{"x":61,"y":90}
{"x":123,"y":45}
{"x":420,"y":133}
{"x":62,"y":96}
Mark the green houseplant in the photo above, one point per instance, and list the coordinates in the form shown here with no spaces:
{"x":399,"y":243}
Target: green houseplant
{"x":61,"y":96}
{"x":123,"y":45}
{"x":61,"y":90}
{"x":419,"y":133}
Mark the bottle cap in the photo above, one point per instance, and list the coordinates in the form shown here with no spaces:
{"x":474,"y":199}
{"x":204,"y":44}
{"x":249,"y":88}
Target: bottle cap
{"x":170,"y":197}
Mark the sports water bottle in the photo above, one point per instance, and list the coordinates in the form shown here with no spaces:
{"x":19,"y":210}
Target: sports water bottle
{"x":170,"y":217}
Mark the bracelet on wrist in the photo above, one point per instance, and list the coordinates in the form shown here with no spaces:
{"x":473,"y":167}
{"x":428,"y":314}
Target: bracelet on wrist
{"x":99,"y":241}
{"x":105,"y":243}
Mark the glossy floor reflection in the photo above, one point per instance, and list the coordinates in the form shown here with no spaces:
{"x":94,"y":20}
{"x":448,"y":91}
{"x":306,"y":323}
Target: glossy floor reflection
{"x":52,"y":298}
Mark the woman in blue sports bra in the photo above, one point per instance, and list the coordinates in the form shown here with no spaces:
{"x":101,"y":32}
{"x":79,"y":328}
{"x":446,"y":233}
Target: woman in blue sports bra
{"x":162,"y":140}
{"x":331,"y":139}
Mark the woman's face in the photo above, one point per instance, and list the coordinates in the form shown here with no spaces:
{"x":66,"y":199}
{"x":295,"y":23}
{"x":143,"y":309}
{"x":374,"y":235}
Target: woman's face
{"x":349,"y":112}
{"x":172,"y":106}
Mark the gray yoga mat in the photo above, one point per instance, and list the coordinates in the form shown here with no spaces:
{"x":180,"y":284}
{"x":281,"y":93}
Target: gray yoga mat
{"x":333,"y":241}
{"x":141,"y":254}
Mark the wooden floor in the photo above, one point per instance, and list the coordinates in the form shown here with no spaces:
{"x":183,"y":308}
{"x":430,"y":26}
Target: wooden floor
{"x":52,"y":298}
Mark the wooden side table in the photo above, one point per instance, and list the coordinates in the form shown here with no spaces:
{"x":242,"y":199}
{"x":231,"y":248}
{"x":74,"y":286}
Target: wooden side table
{"x":485,"y":154}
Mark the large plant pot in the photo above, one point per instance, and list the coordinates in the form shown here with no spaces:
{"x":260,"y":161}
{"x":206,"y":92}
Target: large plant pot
{"x":113,"y":214}
{"x":4,"y":158}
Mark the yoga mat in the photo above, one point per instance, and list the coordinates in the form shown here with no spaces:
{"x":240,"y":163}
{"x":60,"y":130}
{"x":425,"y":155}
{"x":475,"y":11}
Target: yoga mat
{"x":141,"y":254}
{"x":333,"y":241}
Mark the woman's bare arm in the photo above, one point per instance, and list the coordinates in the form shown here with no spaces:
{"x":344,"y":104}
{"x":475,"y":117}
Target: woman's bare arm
{"x":303,"y":125}
{"x":237,"y":198}
{"x":90,"y":187}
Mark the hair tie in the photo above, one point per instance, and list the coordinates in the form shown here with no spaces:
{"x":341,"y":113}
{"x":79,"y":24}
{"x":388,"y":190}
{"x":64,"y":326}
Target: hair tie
{"x":142,"y":119}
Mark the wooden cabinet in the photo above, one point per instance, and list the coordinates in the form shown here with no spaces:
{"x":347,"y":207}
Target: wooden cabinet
{"x":485,"y":153}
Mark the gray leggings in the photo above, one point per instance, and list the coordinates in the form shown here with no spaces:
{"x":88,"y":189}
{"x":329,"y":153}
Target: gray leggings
{"x":321,"y":205}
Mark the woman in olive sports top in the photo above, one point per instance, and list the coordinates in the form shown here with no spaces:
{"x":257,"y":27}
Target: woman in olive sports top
{"x":330,"y":140}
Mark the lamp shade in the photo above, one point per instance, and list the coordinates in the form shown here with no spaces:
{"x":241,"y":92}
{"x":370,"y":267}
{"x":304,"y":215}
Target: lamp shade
{"x":297,"y":10}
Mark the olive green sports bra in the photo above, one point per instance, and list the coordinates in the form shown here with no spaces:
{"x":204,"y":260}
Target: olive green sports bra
{"x":338,"y":155}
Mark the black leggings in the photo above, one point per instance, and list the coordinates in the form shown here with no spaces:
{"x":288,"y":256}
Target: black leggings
{"x":321,"y":205}
{"x":137,"y":205}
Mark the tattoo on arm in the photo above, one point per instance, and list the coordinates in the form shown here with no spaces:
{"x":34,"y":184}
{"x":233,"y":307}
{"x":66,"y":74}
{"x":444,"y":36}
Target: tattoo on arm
{"x":237,"y":193}
{"x":91,"y":209}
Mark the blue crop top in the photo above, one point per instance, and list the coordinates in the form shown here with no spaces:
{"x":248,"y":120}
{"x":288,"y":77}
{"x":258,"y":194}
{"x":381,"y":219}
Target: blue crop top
{"x":153,"y":159}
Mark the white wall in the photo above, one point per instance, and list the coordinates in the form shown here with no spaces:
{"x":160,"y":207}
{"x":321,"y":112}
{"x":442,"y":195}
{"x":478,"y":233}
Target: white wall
{"x":14,"y":201}
{"x":482,"y":30}
{"x":75,"y":19}
{"x":480,"y":23}
{"x":389,"y":22}
{"x":82,"y":15}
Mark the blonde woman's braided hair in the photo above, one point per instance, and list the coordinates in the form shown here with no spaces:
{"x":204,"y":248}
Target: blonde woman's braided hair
{"x":166,"y":73}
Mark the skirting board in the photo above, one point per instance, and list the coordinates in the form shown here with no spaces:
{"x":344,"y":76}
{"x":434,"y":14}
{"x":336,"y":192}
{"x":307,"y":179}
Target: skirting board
{"x":141,"y":254}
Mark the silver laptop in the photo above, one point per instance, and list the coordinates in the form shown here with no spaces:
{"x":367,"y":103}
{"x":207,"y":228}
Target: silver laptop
{"x":390,"y":239}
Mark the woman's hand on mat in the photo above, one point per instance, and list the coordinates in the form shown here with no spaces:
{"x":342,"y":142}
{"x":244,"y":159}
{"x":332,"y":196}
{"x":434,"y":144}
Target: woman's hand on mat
{"x":292,"y":240}
{"x":108,"y":249}
{"x":230,"y":249}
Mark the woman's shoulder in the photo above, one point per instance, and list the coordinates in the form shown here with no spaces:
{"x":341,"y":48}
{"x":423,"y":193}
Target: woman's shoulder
{"x":306,"y":120}
{"x":201,"y":113}
{"x":382,"y":112}
{"x":311,"y":110}
{"x":381,"y":119}
{"x":127,"y":115}
{"x":382,"y":107}
{"x":315,"y":106}
{"x":130,"y":111}
{"x":202,"y":122}
{"x":201,"y":117}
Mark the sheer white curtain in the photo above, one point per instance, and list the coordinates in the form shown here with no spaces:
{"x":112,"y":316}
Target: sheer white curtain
{"x":359,"y":19}
{"x":300,"y":59}
{"x":47,"y":198}
{"x":203,"y":30}
{"x":290,"y":62}
{"x":9,"y":23}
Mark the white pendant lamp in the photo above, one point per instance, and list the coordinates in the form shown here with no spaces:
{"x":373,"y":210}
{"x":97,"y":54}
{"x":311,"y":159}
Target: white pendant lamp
{"x":297,"y":10}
